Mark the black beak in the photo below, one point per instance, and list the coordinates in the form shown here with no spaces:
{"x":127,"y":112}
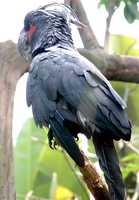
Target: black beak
{"x":23,"y":45}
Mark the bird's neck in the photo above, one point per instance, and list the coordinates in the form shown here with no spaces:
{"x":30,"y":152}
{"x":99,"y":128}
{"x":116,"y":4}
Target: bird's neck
{"x":53,"y":36}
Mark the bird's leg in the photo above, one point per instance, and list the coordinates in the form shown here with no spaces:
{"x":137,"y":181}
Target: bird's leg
{"x":51,"y":140}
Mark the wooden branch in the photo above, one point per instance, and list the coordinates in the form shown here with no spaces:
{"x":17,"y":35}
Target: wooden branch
{"x":12,"y":66}
{"x":94,"y":182}
{"x":87,"y":35}
{"x":114,"y":67}
{"x":91,"y":177}
{"x":81,"y":182}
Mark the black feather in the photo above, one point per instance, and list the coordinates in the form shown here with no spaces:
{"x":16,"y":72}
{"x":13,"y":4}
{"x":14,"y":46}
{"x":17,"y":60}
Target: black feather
{"x":109,"y":163}
{"x":66,"y":140}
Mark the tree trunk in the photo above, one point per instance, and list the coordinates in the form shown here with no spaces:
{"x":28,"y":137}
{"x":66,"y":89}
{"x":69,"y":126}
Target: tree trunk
{"x":7,"y":190}
{"x":12,"y":66}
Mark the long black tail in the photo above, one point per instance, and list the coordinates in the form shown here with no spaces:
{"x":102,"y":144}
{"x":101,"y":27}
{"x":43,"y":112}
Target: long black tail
{"x":109,"y":163}
{"x":66,"y":140}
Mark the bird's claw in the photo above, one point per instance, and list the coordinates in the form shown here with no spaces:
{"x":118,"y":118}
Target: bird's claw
{"x":51,"y":140}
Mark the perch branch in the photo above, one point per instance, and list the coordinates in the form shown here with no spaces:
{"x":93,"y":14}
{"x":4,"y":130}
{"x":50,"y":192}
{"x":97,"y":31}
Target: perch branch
{"x":94,"y":181}
{"x":80,"y":181}
{"x":114,"y":67}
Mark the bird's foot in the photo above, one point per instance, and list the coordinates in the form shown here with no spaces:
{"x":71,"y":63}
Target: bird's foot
{"x":51,"y":140}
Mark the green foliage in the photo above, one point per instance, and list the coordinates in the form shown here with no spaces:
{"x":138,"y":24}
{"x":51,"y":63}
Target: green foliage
{"x":130,"y":163}
{"x":131,"y":12}
{"x":124,"y":45}
{"x":36,"y":165}
{"x":133,"y":98}
{"x":107,"y":3}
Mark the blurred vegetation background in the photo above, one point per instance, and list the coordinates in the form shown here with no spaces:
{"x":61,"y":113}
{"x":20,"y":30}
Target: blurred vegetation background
{"x":43,"y":173}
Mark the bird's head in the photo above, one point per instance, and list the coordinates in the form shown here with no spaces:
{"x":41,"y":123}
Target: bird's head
{"x":45,"y":27}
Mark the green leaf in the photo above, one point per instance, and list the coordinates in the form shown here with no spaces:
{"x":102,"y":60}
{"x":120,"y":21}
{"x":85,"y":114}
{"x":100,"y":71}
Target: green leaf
{"x":123,"y":45}
{"x":108,"y":3}
{"x":103,"y":2}
{"x":130,"y":164}
{"x":130,"y":157}
{"x":134,"y":51}
{"x":131,"y":11}
{"x":133,"y":98}
{"x":36,"y":163}
{"x":26,"y":154}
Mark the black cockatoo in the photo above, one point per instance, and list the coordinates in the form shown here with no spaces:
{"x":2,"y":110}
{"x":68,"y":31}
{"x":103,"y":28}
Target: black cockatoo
{"x":69,"y":94}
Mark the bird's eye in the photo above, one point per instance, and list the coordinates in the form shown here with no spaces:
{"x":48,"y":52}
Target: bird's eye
{"x":29,"y":26}
{"x":32,"y":28}
{"x":26,"y":24}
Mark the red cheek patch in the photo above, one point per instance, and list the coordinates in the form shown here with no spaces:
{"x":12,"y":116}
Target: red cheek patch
{"x":32,"y":29}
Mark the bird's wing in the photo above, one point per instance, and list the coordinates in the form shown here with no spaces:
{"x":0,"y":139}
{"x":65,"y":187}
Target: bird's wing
{"x":42,"y":107}
{"x":42,"y":87}
{"x":97,"y":79}
{"x":86,"y":89}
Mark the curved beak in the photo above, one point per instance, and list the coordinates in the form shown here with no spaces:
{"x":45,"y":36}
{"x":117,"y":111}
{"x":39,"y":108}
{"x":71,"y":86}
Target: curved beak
{"x":23,"y":45}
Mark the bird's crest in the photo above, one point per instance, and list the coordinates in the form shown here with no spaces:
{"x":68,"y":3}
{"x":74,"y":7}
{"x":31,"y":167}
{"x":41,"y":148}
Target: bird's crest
{"x":66,"y":11}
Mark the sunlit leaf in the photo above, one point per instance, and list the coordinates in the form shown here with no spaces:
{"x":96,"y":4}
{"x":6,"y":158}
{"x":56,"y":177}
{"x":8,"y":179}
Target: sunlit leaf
{"x":130,"y":168}
{"x":63,"y":193}
{"x":123,"y":45}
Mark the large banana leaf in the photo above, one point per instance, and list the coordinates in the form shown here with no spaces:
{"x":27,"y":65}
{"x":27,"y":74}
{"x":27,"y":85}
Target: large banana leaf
{"x":36,"y":164}
{"x":124,"y":45}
